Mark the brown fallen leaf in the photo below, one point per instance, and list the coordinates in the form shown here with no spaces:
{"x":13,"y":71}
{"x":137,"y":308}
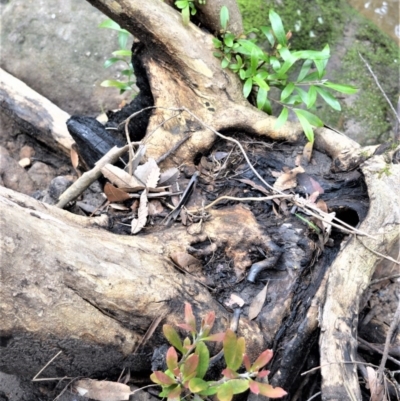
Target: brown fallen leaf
{"x":287,"y":180}
{"x":307,"y":151}
{"x":258,"y":303}
{"x":140,"y":222}
{"x":119,"y":177}
{"x":169,"y":177}
{"x":74,"y":158}
{"x":102,"y":390}
{"x":155,"y":208}
{"x":115,"y":194}
{"x":375,"y":387}
{"x":254,"y":185}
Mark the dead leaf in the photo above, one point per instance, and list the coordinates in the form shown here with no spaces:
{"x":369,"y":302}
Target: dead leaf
{"x":102,"y":390}
{"x":187,"y":262}
{"x":234,"y":300}
{"x":148,"y":173}
{"x":115,"y":194}
{"x":117,"y":206}
{"x":309,"y":184}
{"x":376,"y":388}
{"x":168,"y":177}
{"x":254,"y":185}
{"x":322,"y":205}
{"x":119,"y":177}
{"x":287,"y":180}
{"x":140,"y":222}
{"x":74,"y":158}
{"x":307,"y":151}
{"x":155,"y":208}
{"x":258,"y":303}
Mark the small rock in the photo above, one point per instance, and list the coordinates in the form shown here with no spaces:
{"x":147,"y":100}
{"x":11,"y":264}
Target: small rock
{"x":57,"y":186}
{"x":26,"y":152}
{"x":25,"y":162}
{"x":41,"y":174}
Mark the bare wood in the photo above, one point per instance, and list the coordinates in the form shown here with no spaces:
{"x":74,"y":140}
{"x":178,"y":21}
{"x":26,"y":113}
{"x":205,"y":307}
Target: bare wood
{"x":37,"y":115}
{"x":350,"y":275}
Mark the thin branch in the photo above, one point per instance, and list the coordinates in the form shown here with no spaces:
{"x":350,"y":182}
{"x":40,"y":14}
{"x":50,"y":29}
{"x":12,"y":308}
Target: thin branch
{"x":380,"y":254}
{"x":380,"y":87}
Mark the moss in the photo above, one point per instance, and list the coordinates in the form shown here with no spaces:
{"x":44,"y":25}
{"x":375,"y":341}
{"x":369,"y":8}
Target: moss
{"x":313,"y":23}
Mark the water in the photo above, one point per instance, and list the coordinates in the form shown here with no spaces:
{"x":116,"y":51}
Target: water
{"x":384,"y":14}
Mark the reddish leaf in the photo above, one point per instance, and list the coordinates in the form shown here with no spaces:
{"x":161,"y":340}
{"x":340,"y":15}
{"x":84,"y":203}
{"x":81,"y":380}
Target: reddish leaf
{"x":262,"y":360}
{"x":172,"y":336}
{"x":175,"y":393}
{"x":161,"y":378}
{"x":229,"y":373}
{"x":246,"y":361}
{"x":215,"y":337}
{"x":263,"y":373}
{"x":254,"y":387}
{"x":268,"y":391}
{"x":184,"y":326}
{"x":115,"y":194}
{"x":190,"y":366}
{"x":172,"y":359}
{"x":207,"y":323}
{"x":189,"y":318}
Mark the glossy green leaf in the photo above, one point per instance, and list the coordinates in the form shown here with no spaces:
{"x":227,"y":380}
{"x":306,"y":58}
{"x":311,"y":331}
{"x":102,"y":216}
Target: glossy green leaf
{"x":312,"y":96}
{"x":311,"y":54}
{"x":267,"y":31}
{"x":261,"y":98}
{"x":312,"y":119}
{"x":303,"y":94}
{"x":287,"y":91}
{"x":110,"y":24}
{"x":228,"y":39}
{"x":211,"y":390}
{"x":172,"y":359}
{"x":239,"y":385}
{"x":122,"y":53}
{"x":304,"y":70}
{"x":286,"y":66}
{"x":224,"y":17}
{"x":234,"y":349}
{"x":253,"y":61}
{"x":225,"y":62}
{"x":313,"y":76}
{"x":127,"y":72}
{"x":247,"y":87}
{"x":172,"y":336}
{"x":111,"y":83}
{"x":261,"y":83}
{"x":348,"y":89}
{"x":225,"y":392}
{"x":217,"y":43}
{"x":109,"y":62}
{"x":182,"y":4}
{"x":123,"y":37}
{"x":307,"y":128}
{"x":321,"y":65}
{"x":267,"y":107}
{"x":197,"y":385}
{"x":329,"y":98}
{"x":282,"y":118}
{"x":277,"y":27}
{"x":204,"y":359}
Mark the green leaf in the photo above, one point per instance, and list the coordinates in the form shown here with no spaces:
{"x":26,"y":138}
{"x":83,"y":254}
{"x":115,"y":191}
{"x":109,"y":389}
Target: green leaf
{"x":224,"y":17}
{"x":225,"y":392}
{"x":313,"y":76}
{"x":330,"y":99}
{"x":311,"y":54}
{"x":127,"y":72}
{"x":348,"y":89}
{"x":277,"y":27}
{"x":253,"y":61}
{"x":312,"y":119}
{"x":239,"y":385}
{"x":123,"y":37}
{"x":217,"y":43}
{"x":304,"y":70}
{"x":204,"y":358}
{"x":321,"y":64}
{"x":109,"y":62}
{"x":307,"y":128}
{"x":185,"y":15}
{"x":228,"y":39}
{"x":247,"y":87}
{"x":267,"y":107}
{"x":110,"y":24}
{"x":312,"y":96}
{"x":286,"y":66}
{"x":182,"y":4}
{"x":111,"y":83}
{"x":287,"y":91}
{"x":225,"y":62}
{"x":172,"y":336}
{"x":122,"y":53}
{"x":261,"y":83}
{"x":303,"y":94}
{"x":210,"y":391}
{"x":172,"y":359}
{"x":267,"y":31}
{"x":197,"y":385}
{"x":282,"y":118}
{"x":161,"y":378}
{"x":234,"y":349}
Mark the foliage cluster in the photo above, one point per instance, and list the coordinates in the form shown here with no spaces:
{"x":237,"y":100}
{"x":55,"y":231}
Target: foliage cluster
{"x":188,"y":362}
{"x":123,"y":55}
{"x":259,"y":70}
